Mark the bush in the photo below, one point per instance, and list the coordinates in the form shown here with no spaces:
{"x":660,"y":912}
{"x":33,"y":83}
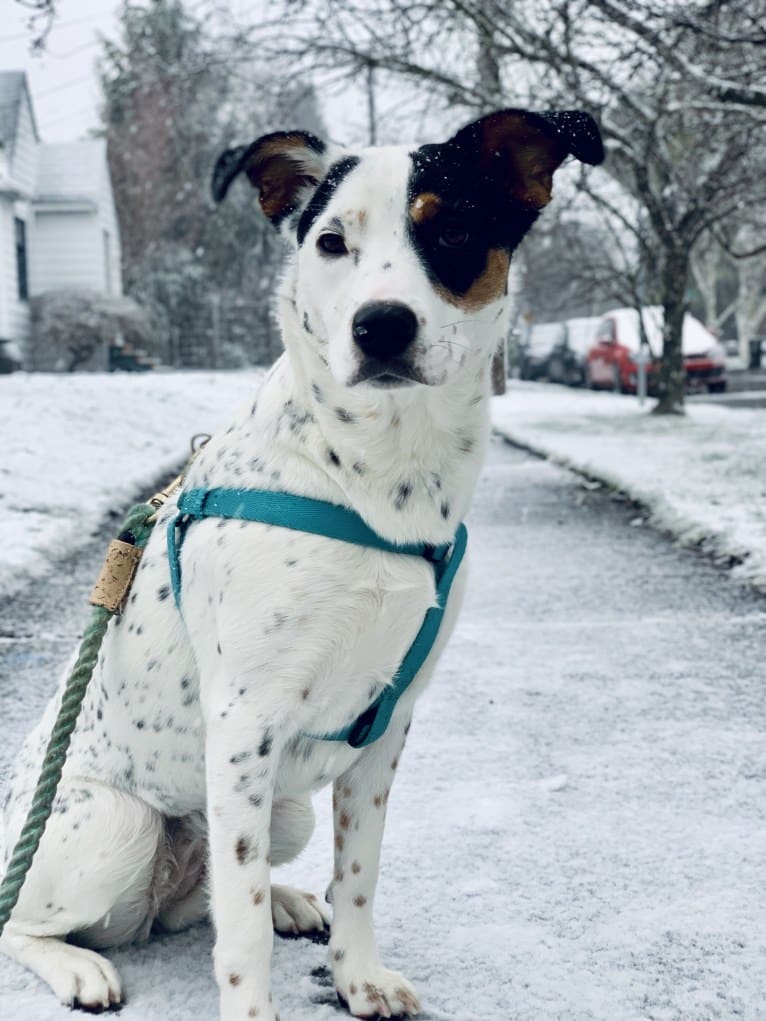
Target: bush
{"x":73,"y":330}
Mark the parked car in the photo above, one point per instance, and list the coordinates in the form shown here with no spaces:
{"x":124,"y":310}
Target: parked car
{"x":10,"y":357}
{"x":566,"y":363}
{"x":537,"y":347}
{"x":611,"y":359}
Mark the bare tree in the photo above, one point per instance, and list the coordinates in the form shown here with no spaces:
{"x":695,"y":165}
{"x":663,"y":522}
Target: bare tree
{"x":678,"y":89}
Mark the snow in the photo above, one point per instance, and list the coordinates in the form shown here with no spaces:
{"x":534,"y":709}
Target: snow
{"x":76,"y":447}
{"x":701,"y":478}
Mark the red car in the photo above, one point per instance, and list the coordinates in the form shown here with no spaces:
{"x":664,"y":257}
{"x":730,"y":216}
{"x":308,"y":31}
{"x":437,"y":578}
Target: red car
{"x":611,"y":359}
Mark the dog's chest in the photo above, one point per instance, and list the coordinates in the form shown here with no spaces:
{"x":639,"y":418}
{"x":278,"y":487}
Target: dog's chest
{"x":332,"y":621}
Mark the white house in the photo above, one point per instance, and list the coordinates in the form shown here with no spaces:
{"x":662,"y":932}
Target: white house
{"x":58,"y":225}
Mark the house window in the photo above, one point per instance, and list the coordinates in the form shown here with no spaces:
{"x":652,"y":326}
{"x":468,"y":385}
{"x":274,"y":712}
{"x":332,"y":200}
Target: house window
{"x":20,"y":229}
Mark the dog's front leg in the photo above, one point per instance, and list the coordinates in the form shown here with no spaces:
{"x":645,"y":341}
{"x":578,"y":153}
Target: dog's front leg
{"x":360,"y":797}
{"x":241,"y":765}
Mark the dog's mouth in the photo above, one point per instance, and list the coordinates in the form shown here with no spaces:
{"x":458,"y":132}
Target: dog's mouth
{"x":386,"y":375}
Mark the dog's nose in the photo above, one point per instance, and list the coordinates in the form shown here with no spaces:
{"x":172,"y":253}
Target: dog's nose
{"x":384,"y":329}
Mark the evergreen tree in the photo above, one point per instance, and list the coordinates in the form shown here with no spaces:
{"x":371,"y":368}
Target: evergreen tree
{"x":175,"y":95}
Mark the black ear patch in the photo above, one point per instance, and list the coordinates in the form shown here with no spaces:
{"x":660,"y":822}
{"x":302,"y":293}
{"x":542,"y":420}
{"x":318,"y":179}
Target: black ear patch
{"x":579,"y":132}
{"x":281,"y":166}
{"x":519,"y":150}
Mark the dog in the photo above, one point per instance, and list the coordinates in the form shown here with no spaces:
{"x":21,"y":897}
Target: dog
{"x":195,"y":755}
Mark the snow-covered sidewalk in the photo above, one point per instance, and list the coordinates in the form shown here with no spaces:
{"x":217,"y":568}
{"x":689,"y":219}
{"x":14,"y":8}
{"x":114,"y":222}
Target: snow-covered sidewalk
{"x":100,"y":440}
{"x":702,"y":477}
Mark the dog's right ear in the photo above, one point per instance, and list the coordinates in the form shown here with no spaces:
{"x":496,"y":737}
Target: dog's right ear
{"x":284,"y":166}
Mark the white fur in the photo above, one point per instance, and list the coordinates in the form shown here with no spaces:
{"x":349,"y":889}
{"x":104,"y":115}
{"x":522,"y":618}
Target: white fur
{"x":192,"y":728}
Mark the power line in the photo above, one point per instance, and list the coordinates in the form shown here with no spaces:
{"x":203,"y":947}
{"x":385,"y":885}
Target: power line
{"x":56,"y":24}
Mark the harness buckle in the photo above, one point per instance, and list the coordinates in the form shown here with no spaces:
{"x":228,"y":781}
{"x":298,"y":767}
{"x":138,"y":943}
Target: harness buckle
{"x":436,"y":554}
{"x":361,"y":727}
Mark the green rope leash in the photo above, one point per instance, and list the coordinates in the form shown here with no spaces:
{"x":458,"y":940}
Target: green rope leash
{"x":139,"y":525}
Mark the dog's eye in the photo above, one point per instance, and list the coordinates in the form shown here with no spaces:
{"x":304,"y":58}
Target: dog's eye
{"x":332,"y":244}
{"x":454,"y":235}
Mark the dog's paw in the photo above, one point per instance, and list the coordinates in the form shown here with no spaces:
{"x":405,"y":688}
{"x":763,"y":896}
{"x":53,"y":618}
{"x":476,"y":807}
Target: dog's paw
{"x":297,"y":914}
{"x":377,"y":993}
{"x":83,"y":979}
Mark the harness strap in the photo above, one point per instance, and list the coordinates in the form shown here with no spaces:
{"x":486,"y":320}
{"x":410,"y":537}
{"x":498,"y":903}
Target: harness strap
{"x":334,"y":522}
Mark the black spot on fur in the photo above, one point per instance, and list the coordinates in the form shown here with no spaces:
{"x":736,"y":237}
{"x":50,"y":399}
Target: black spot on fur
{"x":306,"y":324}
{"x":403,"y":493}
{"x":321,"y":197}
{"x":318,"y":395}
{"x":332,"y":457}
{"x":445,"y":510}
{"x":344,"y":416}
{"x":264,"y":748}
{"x":242,"y":850}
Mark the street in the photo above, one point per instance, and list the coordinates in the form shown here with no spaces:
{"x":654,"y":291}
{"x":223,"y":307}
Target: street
{"x":578,"y":830}
{"x":746,"y":389}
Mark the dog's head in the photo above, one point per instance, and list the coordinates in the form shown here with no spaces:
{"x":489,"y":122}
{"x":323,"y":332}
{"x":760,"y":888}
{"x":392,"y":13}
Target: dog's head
{"x":402,"y":254}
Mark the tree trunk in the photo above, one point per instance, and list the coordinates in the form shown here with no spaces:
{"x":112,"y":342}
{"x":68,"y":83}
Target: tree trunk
{"x":705,"y":269}
{"x":672,"y":375}
{"x":750,"y":308}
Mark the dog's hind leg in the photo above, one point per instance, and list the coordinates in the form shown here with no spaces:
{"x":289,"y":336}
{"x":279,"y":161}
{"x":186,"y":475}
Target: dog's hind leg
{"x":293,"y":912}
{"x":92,"y":882}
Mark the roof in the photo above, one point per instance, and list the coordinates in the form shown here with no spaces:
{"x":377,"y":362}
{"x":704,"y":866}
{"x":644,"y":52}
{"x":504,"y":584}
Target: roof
{"x":695,"y":338}
{"x":13,"y":87}
{"x":581,"y":331}
{"x":70,"y":171}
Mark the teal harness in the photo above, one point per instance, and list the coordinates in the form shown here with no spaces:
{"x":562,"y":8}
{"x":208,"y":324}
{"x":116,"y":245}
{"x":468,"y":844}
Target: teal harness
{"x":320,"y":518}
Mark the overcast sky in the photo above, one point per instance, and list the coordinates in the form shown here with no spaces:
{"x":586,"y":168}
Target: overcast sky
{"x":66,"y":93}
{"x":63,"y":82}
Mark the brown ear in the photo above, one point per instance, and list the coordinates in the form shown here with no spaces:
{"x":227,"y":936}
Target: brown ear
{"x":521,"y":149}
{"x":283,"y":166}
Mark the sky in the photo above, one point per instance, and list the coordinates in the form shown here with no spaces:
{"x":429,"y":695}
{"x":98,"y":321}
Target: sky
{"x":63,"y":81}
{"x":66,"y":93}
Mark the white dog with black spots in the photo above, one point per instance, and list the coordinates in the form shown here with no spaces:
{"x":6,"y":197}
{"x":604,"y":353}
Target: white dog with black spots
{"x":196,"y":753}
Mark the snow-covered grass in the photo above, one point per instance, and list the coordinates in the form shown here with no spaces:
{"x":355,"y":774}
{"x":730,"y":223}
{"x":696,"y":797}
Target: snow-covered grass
{"x":702,"y":477}
{"x":101,"y":439}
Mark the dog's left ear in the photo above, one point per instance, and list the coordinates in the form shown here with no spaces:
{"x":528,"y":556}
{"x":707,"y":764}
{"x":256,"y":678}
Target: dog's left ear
{"x":284,"y":166}
{"x":520,"y":149}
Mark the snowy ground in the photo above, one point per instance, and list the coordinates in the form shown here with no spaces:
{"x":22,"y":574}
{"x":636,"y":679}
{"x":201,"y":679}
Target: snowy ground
{"x":578,"y":828}
{"x":702,"y":478}
{"x":75,"y":447}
